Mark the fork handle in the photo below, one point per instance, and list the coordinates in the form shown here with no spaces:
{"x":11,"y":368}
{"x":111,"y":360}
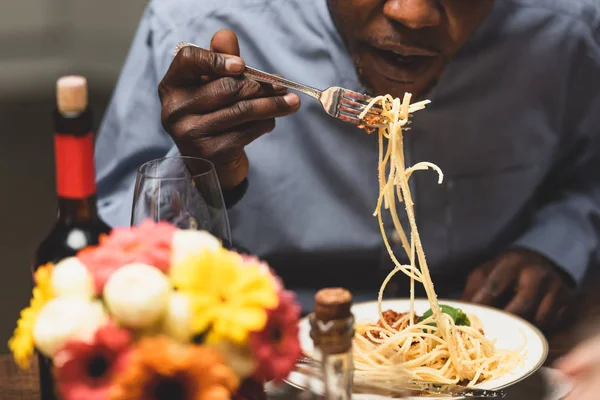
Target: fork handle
{"x":257,"y":75}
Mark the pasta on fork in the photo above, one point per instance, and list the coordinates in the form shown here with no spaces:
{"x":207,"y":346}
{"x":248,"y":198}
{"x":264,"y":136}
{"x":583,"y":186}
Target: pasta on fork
{"x":444,"y":344}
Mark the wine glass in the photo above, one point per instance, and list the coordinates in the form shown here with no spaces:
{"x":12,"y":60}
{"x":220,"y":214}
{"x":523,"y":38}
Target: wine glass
{"x":183,"y":191}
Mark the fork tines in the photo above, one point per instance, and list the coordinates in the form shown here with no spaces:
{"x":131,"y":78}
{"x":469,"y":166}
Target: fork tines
{"x":353,"y":104}
{"x":360,"y":100}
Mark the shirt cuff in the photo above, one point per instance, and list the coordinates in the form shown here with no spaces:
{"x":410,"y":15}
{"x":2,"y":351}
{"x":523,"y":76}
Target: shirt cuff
{"x":561,"y":240}
{"x":233,"y":196}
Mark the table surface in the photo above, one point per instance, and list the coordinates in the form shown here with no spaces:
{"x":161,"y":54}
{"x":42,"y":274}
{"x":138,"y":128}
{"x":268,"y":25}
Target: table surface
{"x":23,"y":385}
{"x":16,"y":384}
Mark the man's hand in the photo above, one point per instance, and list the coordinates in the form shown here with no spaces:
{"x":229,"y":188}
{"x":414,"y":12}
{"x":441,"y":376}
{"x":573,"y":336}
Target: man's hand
{"x":523,"y":283}
{"x":212,"y":112}
{"x":583,"y":365}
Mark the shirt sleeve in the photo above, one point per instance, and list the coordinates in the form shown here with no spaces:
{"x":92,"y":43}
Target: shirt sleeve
{"x":566,"y":226}
{"x":131,"y":132}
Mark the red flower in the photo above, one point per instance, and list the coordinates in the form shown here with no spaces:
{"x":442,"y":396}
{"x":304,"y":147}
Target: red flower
{"x":149,"y":243}
{"x":85,"y":371}
{"x":277,"y":347}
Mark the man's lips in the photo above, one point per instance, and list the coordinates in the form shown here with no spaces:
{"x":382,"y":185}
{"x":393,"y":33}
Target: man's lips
{"x":401,"y":63}
{"x":406,"y":51}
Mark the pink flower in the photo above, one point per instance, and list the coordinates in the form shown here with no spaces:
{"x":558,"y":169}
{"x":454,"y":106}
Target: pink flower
{"x":85,"y":370}
{"x":149,"y":243}
{"x":277,"y":347}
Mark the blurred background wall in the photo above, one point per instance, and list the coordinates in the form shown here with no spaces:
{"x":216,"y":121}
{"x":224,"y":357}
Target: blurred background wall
{"x":41,"y":40}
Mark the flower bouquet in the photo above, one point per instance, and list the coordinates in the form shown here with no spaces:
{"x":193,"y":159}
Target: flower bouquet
{"x":154,"y":312}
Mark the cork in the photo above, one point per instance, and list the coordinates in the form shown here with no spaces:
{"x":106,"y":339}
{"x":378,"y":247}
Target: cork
{"x":71,"y":94}
{"x":332,"y":304}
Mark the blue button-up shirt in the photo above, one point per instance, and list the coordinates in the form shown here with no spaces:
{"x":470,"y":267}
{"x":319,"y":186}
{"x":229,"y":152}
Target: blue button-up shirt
{"x":514,"y":124}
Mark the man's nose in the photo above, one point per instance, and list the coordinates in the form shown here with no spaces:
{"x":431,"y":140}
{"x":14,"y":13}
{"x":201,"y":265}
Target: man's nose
{"x":414,"y":14}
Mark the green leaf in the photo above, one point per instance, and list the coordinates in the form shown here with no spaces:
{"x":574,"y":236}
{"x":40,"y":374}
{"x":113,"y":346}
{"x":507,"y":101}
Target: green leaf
{"x":458,"y":316}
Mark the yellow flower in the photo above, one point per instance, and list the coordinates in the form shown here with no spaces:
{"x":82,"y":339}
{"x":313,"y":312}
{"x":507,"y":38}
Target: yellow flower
{"x":21,"y":343}
{"x":229,"y":297}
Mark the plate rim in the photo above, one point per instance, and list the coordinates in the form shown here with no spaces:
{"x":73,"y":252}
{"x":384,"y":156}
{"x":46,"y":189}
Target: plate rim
{"x":534,"y":329}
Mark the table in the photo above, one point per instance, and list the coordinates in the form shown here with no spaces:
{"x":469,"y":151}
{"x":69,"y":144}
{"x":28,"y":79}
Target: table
{"x":23,"y":385}
{"x":536,"y":387}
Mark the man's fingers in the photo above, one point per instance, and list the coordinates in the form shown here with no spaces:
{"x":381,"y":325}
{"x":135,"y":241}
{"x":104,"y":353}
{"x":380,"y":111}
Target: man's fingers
{"x":237,"y":138}
{"x":550,"y":307}
{"x":213,"y":96}
{"x":226,"y":42}
{"x":237,"y":114}
{"x":582,"y":358}
{"x":192,"y":64}
{"x":500,"y":280}
{"x":531,"y":286}
{"x":475,"y":281}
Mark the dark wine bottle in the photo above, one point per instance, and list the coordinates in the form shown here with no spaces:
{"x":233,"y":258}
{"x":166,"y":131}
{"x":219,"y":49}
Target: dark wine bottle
{"x":78,"y":224}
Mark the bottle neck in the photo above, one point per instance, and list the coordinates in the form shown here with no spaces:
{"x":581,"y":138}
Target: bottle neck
{"x":77,"y":210}
{"x":75,"y":172}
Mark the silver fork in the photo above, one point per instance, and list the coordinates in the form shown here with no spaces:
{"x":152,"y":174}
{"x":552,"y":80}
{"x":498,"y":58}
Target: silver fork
{"x":344,"y":104}
{"x":338,"y":102}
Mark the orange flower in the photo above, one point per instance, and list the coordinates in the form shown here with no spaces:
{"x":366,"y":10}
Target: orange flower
{"x":160,"y":369}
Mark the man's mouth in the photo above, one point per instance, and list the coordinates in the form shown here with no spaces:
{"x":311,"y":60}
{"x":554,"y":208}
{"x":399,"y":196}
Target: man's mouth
{"x":401,"y":64}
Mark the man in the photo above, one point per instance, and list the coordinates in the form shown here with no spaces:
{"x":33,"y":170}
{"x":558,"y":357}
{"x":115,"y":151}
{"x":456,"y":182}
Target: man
{"x":514,"y":86}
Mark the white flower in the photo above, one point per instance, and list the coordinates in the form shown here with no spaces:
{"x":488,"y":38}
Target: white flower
{"x":177,"y":319}
{"x":189,"y":242}
{"x":137,"y":295}
{"x":66,"y":318}
{"x":71,"y":278}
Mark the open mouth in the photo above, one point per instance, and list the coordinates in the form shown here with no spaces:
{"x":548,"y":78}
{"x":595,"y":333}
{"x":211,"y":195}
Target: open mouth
{"x":400,"y":59}
{"x":403,"y":66}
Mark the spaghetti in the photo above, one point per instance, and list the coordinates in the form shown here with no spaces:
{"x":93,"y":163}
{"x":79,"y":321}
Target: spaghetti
{"x":433,"y":347}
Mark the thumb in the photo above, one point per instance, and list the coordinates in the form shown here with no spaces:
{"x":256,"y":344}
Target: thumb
{"x":225,"y":42}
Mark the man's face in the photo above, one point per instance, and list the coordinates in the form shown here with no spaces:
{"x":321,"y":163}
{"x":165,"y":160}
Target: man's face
{"x":404,"y":45}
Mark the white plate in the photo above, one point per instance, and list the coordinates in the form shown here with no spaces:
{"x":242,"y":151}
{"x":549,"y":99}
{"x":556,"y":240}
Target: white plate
{"x":509,"y":331}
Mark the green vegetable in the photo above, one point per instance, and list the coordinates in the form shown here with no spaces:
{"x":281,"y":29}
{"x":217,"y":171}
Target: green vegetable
{"x":458,"y":315}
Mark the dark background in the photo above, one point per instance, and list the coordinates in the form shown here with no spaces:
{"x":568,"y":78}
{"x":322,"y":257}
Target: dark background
{"x":40,"y":40}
